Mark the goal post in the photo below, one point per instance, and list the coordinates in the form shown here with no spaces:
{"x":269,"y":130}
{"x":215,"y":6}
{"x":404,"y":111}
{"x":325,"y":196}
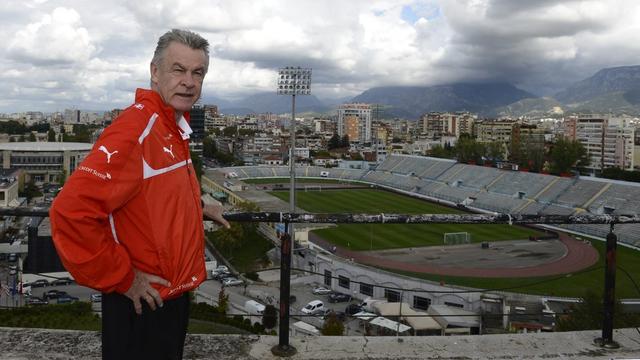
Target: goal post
{"x":457,"y":238}
{"x":312,"y":188}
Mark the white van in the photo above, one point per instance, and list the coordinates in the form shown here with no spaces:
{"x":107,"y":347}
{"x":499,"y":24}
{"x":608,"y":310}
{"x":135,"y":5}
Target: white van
{"x":253,"y":307}
{"x":314,"y":307}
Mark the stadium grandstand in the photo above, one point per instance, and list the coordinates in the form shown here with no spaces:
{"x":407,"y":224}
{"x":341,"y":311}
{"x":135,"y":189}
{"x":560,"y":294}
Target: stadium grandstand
{"x":485,"y":189}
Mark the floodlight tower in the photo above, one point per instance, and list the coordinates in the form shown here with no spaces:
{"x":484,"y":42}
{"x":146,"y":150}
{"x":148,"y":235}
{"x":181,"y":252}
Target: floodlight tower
{"x":291,"y":81}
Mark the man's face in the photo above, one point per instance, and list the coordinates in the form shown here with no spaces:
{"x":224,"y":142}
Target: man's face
{"x":178,"y":78}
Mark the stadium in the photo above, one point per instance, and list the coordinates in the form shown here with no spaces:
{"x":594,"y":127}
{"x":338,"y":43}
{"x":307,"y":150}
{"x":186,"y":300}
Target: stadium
{"x":542,"y":261}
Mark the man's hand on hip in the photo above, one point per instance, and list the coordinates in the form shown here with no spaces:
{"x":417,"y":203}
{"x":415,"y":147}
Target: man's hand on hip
{"x":141,"y":289}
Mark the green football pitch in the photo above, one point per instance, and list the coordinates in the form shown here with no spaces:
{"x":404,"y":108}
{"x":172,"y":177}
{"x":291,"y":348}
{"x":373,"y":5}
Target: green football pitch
{"x":389,"y":236}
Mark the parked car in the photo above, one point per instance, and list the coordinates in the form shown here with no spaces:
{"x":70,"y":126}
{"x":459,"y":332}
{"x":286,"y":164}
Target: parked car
{"x":221,"y":269}
{"x":34,"y":300}
{"x":40,"y":283}
{"x":321,"y":290}
{"x":339,"y":297}
{"x":314,"y":307}
{"x":222,"y":276}
{"x":62,"y":281}
{"x":353,"y":309}
{"x":66,"y":298}
{"x":53,"y":294}
{"x":96,"y":298}
{"x":340,"y":315}
{"x":231,"y":281}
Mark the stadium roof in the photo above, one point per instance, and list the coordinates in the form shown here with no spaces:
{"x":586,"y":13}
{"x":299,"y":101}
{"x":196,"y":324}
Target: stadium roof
{"x":46,"y":146}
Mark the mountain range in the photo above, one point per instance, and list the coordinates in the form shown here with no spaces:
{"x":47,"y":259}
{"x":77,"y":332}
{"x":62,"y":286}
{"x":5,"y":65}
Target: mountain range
{"x":612,"y":90}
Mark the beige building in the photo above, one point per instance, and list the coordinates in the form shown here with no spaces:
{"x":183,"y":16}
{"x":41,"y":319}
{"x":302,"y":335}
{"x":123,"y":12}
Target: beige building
{"x":355,"y":119}
{"x":436,"y":124}
{"x":494,"y":131}
{"x":9,"y":187}
{"x":44,"y":161}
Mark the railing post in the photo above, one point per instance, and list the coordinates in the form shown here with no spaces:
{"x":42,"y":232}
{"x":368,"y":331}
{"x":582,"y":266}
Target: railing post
{"x":609,"y":298}
{"x":283,"y":348}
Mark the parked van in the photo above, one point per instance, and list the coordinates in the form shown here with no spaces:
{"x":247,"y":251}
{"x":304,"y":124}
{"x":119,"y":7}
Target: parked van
{"x":367,"y":304}
{"x":253,"y":307}
{"x":314,"y":307}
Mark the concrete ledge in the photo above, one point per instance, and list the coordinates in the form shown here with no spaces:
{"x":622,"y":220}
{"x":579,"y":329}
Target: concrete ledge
{"x":35,"y":344}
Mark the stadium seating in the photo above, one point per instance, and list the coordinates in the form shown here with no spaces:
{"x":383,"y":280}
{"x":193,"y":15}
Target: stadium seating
{"x":491,"y":189}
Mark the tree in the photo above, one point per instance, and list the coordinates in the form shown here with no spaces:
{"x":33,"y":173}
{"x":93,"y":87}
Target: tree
{"x":344,"y":141}
{"x":468,"y":150}
{"x":230,"y":131}
{"x":270,"y":317}
{"x":439,"y":151}
{"x":51,"y":135}
{"x":32,"y":137}
{"x":208,"y":147}
{"x":588,"y":315}
{"x":223,"y":301}
{"x":567,"y":154}
{"x":196,"y":160}
{"x":334,"y":142}
{"x":31,"y":190}
{"x":21,"y":138}
{"x":332,"y":326}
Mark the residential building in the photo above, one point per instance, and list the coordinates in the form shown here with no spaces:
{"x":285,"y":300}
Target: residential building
{"x":618,"y":148}
{"x":9,"y":180}
{"x":437,"y":124}
{"x":354,"y":120}
{"x":494,"y":131}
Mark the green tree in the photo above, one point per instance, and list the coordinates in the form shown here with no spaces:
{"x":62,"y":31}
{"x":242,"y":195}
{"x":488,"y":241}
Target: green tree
{"x":32,"y":137}
{"x":344,"y":141}
{"x":21,"y":138}
{"x":230,"y":131}
{"x":31,"y":190}
{"x":334,"y":142}
{"x":440,"y":151}
{"x":567,"y":154}
{"x":468,"y":149}
{"x":51,"y":135}
{"x":588,"y":315}
{"x":332,"y":326}
{"x":270,"y":317}
{"x":196,"y":160}
{"x":223,"y":301}
{"x":208,"y":147}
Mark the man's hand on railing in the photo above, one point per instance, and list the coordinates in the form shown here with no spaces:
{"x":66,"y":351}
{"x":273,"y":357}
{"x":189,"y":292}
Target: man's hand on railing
{"x":214,"y":212}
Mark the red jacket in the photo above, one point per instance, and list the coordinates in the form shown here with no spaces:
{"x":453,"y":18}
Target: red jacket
{"x":134,"y":202}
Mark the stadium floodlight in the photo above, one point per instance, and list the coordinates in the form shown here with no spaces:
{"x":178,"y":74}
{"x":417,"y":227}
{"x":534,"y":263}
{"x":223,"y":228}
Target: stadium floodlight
{"x":291,"y":81}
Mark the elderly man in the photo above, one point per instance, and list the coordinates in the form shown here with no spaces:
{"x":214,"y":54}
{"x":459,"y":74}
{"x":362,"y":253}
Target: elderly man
{"x":129,"y":220}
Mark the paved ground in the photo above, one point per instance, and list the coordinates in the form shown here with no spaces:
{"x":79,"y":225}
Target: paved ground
{"x":502,"y":259}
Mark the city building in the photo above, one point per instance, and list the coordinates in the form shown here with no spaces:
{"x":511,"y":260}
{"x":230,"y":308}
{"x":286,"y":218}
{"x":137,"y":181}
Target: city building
{"x":494,"y":131}
{"x":44,"y":161}
{"x":354,"y":120}
{"x":9,"y":187}
{"x":618,"y":147}
{"x":437,"y":124}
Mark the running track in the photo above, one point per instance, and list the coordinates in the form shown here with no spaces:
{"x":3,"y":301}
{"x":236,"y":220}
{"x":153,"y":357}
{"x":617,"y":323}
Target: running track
{"x":579,"y":256}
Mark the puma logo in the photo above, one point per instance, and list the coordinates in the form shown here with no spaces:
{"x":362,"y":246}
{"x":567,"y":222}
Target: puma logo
{"x":169,"y":150}
{"x":109,"y":155}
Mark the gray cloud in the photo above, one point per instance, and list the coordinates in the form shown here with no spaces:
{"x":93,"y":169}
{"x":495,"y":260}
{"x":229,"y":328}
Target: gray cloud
{"x":94,"y":54}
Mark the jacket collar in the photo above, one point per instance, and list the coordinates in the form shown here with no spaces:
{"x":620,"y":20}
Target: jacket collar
{"x":153,"y":97}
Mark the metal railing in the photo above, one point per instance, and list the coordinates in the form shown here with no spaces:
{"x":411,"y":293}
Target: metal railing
{"x":284,"y":347}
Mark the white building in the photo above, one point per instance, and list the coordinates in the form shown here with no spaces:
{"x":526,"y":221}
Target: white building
{"x":44,"y":161}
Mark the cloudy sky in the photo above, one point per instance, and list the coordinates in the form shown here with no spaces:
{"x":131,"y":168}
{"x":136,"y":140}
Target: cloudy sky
{"x":59,"y":54}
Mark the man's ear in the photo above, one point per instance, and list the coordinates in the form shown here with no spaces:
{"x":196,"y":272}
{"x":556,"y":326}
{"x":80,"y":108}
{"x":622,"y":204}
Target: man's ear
{"x":153,"y":69}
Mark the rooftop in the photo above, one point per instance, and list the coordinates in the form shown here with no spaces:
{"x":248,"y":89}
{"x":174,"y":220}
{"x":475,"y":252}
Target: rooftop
{"x":35,"y":344}
{"x":46,"y":146}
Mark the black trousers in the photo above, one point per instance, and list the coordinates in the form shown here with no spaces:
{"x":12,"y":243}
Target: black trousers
{"x":158,"y":334}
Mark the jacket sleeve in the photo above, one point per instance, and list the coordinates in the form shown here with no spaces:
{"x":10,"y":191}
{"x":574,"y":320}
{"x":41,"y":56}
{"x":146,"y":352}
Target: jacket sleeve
{"x":110,"y":175}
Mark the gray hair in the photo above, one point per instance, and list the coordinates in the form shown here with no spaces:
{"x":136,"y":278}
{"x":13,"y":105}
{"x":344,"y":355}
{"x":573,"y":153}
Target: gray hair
{"x":185,"y":37}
